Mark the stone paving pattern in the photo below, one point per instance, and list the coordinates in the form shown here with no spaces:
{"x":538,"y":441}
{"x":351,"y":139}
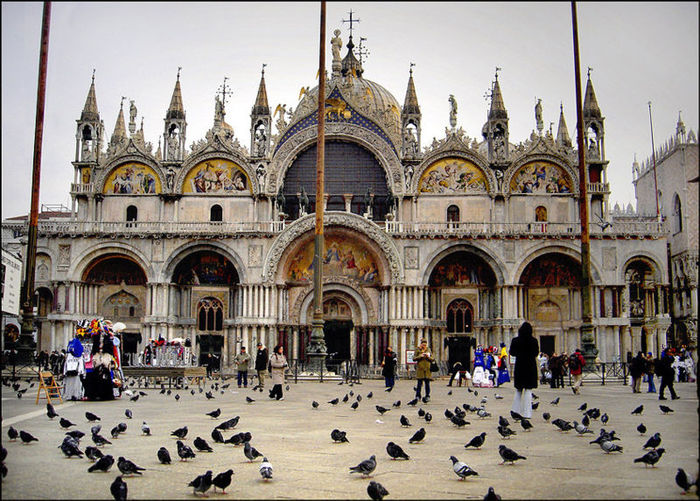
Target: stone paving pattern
{"x":309,"y":465}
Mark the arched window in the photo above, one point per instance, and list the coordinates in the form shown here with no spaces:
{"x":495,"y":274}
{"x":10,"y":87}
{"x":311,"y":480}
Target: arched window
{"x":459,"y":316}
{"x":541,"y":213}
{"x":216,"y":213}
{"x":210,"y":315}
{"x":677,"y":214}
{"x":131,"y":215}
{"x":453,"y":214}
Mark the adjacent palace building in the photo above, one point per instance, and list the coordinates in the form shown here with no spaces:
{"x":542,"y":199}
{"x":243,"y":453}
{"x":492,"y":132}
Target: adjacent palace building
{"x":460,"y":239}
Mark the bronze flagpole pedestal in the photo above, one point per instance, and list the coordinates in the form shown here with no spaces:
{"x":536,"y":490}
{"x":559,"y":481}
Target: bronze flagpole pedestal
{"x":316,"y":349}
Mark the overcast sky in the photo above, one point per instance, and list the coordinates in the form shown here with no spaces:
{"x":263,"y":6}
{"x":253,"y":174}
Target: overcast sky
{"x":638,"y":52}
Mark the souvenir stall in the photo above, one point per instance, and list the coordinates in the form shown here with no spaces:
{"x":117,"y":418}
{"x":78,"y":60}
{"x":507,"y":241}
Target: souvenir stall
{"x":102,"y":356}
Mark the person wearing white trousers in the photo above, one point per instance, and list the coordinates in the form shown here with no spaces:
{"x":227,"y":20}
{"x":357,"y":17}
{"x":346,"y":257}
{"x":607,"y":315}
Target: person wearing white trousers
{"x":525,"y":349}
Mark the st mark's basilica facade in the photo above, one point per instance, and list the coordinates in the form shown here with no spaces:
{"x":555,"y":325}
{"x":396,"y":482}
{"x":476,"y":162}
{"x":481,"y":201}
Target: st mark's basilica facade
{"x":463,"y":238}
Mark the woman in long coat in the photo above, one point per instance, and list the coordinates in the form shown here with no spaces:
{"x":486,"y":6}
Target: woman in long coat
{"x":423,"y":358}
{"x":278,"y":363}
{"x":525,"y":349}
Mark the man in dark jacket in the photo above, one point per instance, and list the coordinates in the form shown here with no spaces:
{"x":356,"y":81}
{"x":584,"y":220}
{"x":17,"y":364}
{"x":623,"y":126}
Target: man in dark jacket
{"x":665,"y":370}
{"x":261,"y":359}
{"x":636,"y":371}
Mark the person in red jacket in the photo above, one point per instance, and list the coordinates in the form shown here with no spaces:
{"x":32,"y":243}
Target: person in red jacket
{"x":576,"y":363}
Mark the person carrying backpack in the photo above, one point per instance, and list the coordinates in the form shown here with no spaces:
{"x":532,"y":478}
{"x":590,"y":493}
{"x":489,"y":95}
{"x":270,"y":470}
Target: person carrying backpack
{"x":576,"y":363}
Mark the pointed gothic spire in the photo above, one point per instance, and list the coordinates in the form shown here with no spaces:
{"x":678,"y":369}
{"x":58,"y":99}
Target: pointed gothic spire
{"x":590,"y":103}
{"x":261,"y":106}
{"x":498,"y":108}
{"x":410,"y":104}
{"x":562,"y":131}
{"x":176,"y":109}
{"x":90,"y":112}
{"x":119,"y":127}
{"x":351,"y":65}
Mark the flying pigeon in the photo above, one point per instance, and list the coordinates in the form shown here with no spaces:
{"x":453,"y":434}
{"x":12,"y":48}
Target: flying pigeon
{"x":417,"y":436}
{"x":222,"y":480}
{"x":202,"y":483}
{"x":91,"y":417}
{"x":214,"y":414}
{"x":395,"y":451}
{"x":461,"y":469}
{"x":118,"y":489}
{"x":50,"y":411}
{"x":265,"y":469}
{"x":339,"y":436}
{"x":180,"y":433}
{"x":638,"y":410}
{"x":250,"y":452}
{"x":366,"y":467}
{"x":376,"y":491}
{"x":145,"y":429}
{"x":93,"y":453}
{"x":164,"y":455}
{"x":509,"y":454}
{"x":609,"y":446}
{"x":102,"y":464}
{"x":65,"y":423}
{"x":128,"y":467}
{"x":641,"y":429}
{"x":184,"y":451}
{"x":25,"y":437}
{"x":202,"y":445}
{"x":653,"y":442}
{"x":477,"y":441}
{"x":652,"y":457}
{"x":665,"y":409}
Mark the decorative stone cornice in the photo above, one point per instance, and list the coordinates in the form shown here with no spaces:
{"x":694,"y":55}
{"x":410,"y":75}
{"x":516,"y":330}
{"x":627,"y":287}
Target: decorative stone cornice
{"x":342,"y":219}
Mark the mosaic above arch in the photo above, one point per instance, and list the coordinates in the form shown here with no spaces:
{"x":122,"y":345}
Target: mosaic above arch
{"x":541,"y":177}
{"x":342,"y":256}
{"x":218,"y":176}
{"x":132,"y":178}
{"x":453,"y":175}
{"x":552,"y":270}
{"x":460,"y":269}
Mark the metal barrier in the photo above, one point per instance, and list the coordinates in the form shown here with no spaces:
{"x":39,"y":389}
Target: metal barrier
{"x":614,"y":372}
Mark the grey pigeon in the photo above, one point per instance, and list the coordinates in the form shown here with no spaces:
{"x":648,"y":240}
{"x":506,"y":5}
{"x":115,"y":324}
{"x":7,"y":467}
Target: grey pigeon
{"x":339,"y":436}
{"x":366,"y":467}
{"x":581,"y":429}
{"x":180,"y":433}
{"x":404,"y":421}
{"x":50,"y":411}
{"x":202,"y":445}
{"x":93,"y":453}
{"x":96,"y":429}
{"x":265,"y":469}
{"x":92,"y":417}
{"x":506,"y":432}
{"x":250,"y":452}
{"x":477,"y":441}
{"x":461,"y":468}
{"x":229,"y":423}
{"x":608,"y":446}
{"x":71,"y":449}
{"x":417,"y":436}
{"x":653,"y":442}
{"x":638,"y":410}
{"x":562,"y":425}
{"x":184,"y":451}
{"x":202,"y":483}
{"x":118,"y":489}
{"x":641,"y":429}
{"x":509,"y":455}
{"x":145,"y":429}
{"x":164,"y":456}
{"x":26,"y":437}
{"x":128,"y":414}
{"x":683,"y":481}
{"x":395,"y":451}
{"x":76,"y":434}
{"x":128,"y":467}
{"x":102,"y":464}
{"x":99,"y":440}
{"x":376,"y":491}
{"x":12,"y":434}
{"x":222,"y":480}
{"x":652,"y":457}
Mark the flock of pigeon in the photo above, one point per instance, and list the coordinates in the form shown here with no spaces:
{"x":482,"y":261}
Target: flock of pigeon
{"x":70,"y":445}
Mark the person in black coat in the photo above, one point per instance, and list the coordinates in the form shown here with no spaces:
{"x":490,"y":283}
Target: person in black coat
{"x":389,"y":367}
{"x":667,"y":376}
{"x":525,"y":349}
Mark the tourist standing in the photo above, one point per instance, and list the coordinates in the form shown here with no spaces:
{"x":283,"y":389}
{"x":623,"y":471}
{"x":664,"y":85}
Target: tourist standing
{"x":423,"y":359}
{"x":636,"y":371}
{"x":457,"y":368}
{"x":278,"y":363}
{"x":649,"y":369}
{"x":389,"y":362}
{"x":503,"y":373}
{"x":555,"y":369}
{"x":74,"y":371}
{"x":524,"y":348}
{"x":241,"y":360}
{"x":261,"y":359}
{"x":576,"y":364}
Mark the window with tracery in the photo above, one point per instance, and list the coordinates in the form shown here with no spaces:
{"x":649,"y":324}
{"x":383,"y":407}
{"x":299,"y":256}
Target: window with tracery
{"x":677,"y":214}
{"x":459,"y":316}
{"x":210,"y":315}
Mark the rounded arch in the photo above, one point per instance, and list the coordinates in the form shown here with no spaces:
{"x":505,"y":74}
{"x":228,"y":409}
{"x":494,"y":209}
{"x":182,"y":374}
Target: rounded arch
{"x":218,"y":175}
{"x":571,"y":252}
{"x":386,"y":249}
{"x":43,"y":301}
{"x":182,"y":252}
{"x":89,"y":255}
{"x":460,"y":316}
{"x":646,"y":257}
{"x":360,"y":303}
{"x":346,"y":132}
{"x":453,"y":172}
{"x":513,"y":174}
{"x":131,"y":177}
{"x":496,"y":266}
{"x":114,"y":268}
{"x":101,"y":175}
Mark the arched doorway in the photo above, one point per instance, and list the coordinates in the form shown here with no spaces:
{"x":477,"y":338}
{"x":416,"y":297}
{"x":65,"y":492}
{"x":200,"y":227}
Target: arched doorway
{"x":460,"y":317}
{"x":337,"y":327}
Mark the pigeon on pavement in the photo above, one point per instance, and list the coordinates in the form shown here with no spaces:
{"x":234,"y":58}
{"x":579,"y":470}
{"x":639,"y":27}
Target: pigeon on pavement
{"x":491,"y":495}
{"x":555,"y":401}
{"x":118,"y":489}
{"x":376,"y":491}
{"x":65,"y":423}
{"x":417,"y":436}
{"x":509,"y":454}
{"x":25,"y":437}
{"x":395,"y":451}
{"x":128,"y":414}
{"x":91,"y":417}
{"x":526,"y":424}
{"x":145,"y":429}
{"x":184,"y":451}
{"x":216,"y":436}
{"x":404,"y":421}
{"x":214,"y":414}
{"x":334,"y":401}
{"x":609,"y":446}
{"x":339,"y":436}
{"x":461,"y":468}
{"x":503,"y":421}
{"x":128,"y":467}
{"x":581,"y":429}
{"x":665,"y":409}
{"x":546,"y":416}
{"x":202,"y":445}
{"x":202,"y":483}
{"x":250,"y":452}
{"x":102,"y":464}
{"x":222,"y":480}
{"x":71,"y":449}
{"x":506,"y":432}
{"x":652,"y":457}
{"x":683,"y":481}
{"x":314,"y":404}
{"x":428,"y":417}
{"x":164,"y":456}
{"x":477,"y":441}
{"x":50,"y":411}
{"x":265,"y":469}
{"x":638,"y":410}
{"x":381,"y":409}
{"x":99,"y":440}
{"x":76,"y":434}
{"x":653,"y":442}
{"x":180,"y":433}
{"x":583,"y":406}
{"x":93,"y":453}
{"x":249,"y":400}
{"x":366,"y":467}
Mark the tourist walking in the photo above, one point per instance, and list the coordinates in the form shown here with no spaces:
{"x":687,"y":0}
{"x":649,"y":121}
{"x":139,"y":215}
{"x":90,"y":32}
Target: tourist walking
{"x":665,"y":370}
{"x":556,"y":370}
{"x":636,"y":371}
{"x":278,"y":363}
{"x":503,"y":373}
{"x":389,"y":362}
{"x":524,"y":348}
{"x":423,"y":359}
{"x":261,"y":359}
{"x":649,"y":370}
{"x":576,"y":364}
{"x":241,"y":360}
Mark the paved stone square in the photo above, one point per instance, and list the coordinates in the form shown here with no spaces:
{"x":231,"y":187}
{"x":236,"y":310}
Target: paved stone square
{"x":308,"y":464}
